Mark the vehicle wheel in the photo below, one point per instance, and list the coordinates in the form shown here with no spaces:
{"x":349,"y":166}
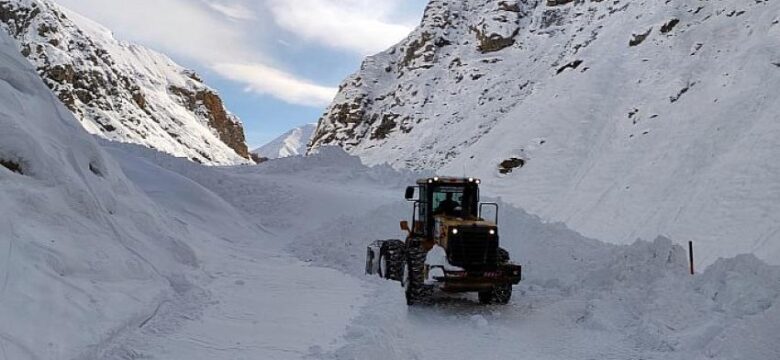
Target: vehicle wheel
{"x":391,"y":260}
{"x":416,"y":291}
{"x":501,"y":294}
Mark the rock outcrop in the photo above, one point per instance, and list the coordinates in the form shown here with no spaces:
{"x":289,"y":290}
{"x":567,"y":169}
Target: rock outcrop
{"x":121,"y":91}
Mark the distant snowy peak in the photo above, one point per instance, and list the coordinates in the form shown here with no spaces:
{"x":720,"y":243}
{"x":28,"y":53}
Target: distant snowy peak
{"x":121,"y":91}
{"x":292,"y":143}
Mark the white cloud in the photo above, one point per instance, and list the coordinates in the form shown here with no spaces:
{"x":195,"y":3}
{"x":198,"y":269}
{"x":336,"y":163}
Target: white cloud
{"x":265,"y":80}
{"x":182,"y":28}
{"x":235,"y":37}
{"x":234,"y":11}
{"x":357,"y":25}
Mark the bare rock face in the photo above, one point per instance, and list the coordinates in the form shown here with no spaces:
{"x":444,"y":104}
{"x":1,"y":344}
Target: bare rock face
{"x":498,"y":26}
{"x":207,"y":103}
{"x":121,"y":91}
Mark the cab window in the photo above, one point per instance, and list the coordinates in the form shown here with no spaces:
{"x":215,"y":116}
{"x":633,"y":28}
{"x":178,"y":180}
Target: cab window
{"x":447,"y":200}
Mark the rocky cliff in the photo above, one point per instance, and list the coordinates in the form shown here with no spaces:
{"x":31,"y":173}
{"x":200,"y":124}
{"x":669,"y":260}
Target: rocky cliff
{"x":623,"y":119}
{"x":121,"y":91}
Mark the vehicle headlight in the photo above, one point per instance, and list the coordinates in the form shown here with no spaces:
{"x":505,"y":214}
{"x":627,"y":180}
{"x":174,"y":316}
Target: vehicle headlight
{"x":492,"y":231}
{"x":455,"y":231}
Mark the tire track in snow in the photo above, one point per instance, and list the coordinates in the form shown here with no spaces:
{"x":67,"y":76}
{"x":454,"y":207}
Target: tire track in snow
{"x":154,"y":314}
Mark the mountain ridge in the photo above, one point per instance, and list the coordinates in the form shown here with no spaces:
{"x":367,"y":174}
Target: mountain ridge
{"x":623,"y":120}
{"x":122,"y":91}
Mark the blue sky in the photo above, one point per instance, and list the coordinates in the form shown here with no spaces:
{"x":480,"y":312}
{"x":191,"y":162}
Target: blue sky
{"x":276,"y":63}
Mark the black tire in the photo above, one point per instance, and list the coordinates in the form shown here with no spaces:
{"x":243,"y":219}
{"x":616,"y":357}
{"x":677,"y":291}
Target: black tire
{"x":391,"y":260}
{"x":500,"y":294}
{"x":416,"y":291}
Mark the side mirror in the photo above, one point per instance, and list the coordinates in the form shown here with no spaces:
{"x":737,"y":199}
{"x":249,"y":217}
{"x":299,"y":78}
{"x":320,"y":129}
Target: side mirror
{"x":409,"y":193}
{"x":405,"y":226}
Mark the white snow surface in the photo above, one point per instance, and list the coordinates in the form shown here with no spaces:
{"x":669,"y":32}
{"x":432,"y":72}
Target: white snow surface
{"x":96,"y":265}
{"x":116,"y":251}
{"x":291,"y":143}
{"x":119,"y":90}
{"x":676,"y":136}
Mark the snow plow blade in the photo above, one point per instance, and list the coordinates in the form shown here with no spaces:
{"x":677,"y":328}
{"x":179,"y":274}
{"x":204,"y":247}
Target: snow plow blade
{"x":372,"y":257}
{"x":386,"y":259}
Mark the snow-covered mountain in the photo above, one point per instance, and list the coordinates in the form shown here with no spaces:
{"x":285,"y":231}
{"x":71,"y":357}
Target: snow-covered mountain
{"x":122,"y":91}
{"x":623,"y":119}
{"x":291,"y":143}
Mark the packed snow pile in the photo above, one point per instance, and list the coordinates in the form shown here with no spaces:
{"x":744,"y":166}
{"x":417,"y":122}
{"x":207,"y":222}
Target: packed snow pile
{"x":291,"y":143}
{"x":121,"y":91}
{"x":623,"y":119}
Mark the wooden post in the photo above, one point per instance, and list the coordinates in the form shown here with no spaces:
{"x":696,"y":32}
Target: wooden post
{"x":690,"y":256}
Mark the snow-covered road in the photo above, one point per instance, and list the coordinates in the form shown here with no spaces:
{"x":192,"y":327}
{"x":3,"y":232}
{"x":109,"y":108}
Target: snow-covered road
{"x":581,"y":298}
{"x":248,"y":299}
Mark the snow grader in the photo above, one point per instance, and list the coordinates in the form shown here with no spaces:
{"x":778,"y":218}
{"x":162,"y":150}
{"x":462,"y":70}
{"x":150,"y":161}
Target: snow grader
{"x":449,"y":246}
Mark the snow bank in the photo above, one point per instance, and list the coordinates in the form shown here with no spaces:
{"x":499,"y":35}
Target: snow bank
{"x":84,"y":254}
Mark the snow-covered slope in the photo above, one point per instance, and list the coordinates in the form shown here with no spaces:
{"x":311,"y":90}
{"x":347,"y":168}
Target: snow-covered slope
{"x":623,"y":119}
{"x":121,"y":91}
{"x":291,"y":143}
{"x":78,"y":260}
{"x":93,"y":268}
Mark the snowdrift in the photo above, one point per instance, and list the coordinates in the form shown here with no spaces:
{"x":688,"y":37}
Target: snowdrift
{"x":84,"y":254}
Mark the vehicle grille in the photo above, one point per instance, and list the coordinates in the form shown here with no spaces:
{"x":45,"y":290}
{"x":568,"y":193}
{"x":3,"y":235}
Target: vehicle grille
{"x":473,"y":249}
